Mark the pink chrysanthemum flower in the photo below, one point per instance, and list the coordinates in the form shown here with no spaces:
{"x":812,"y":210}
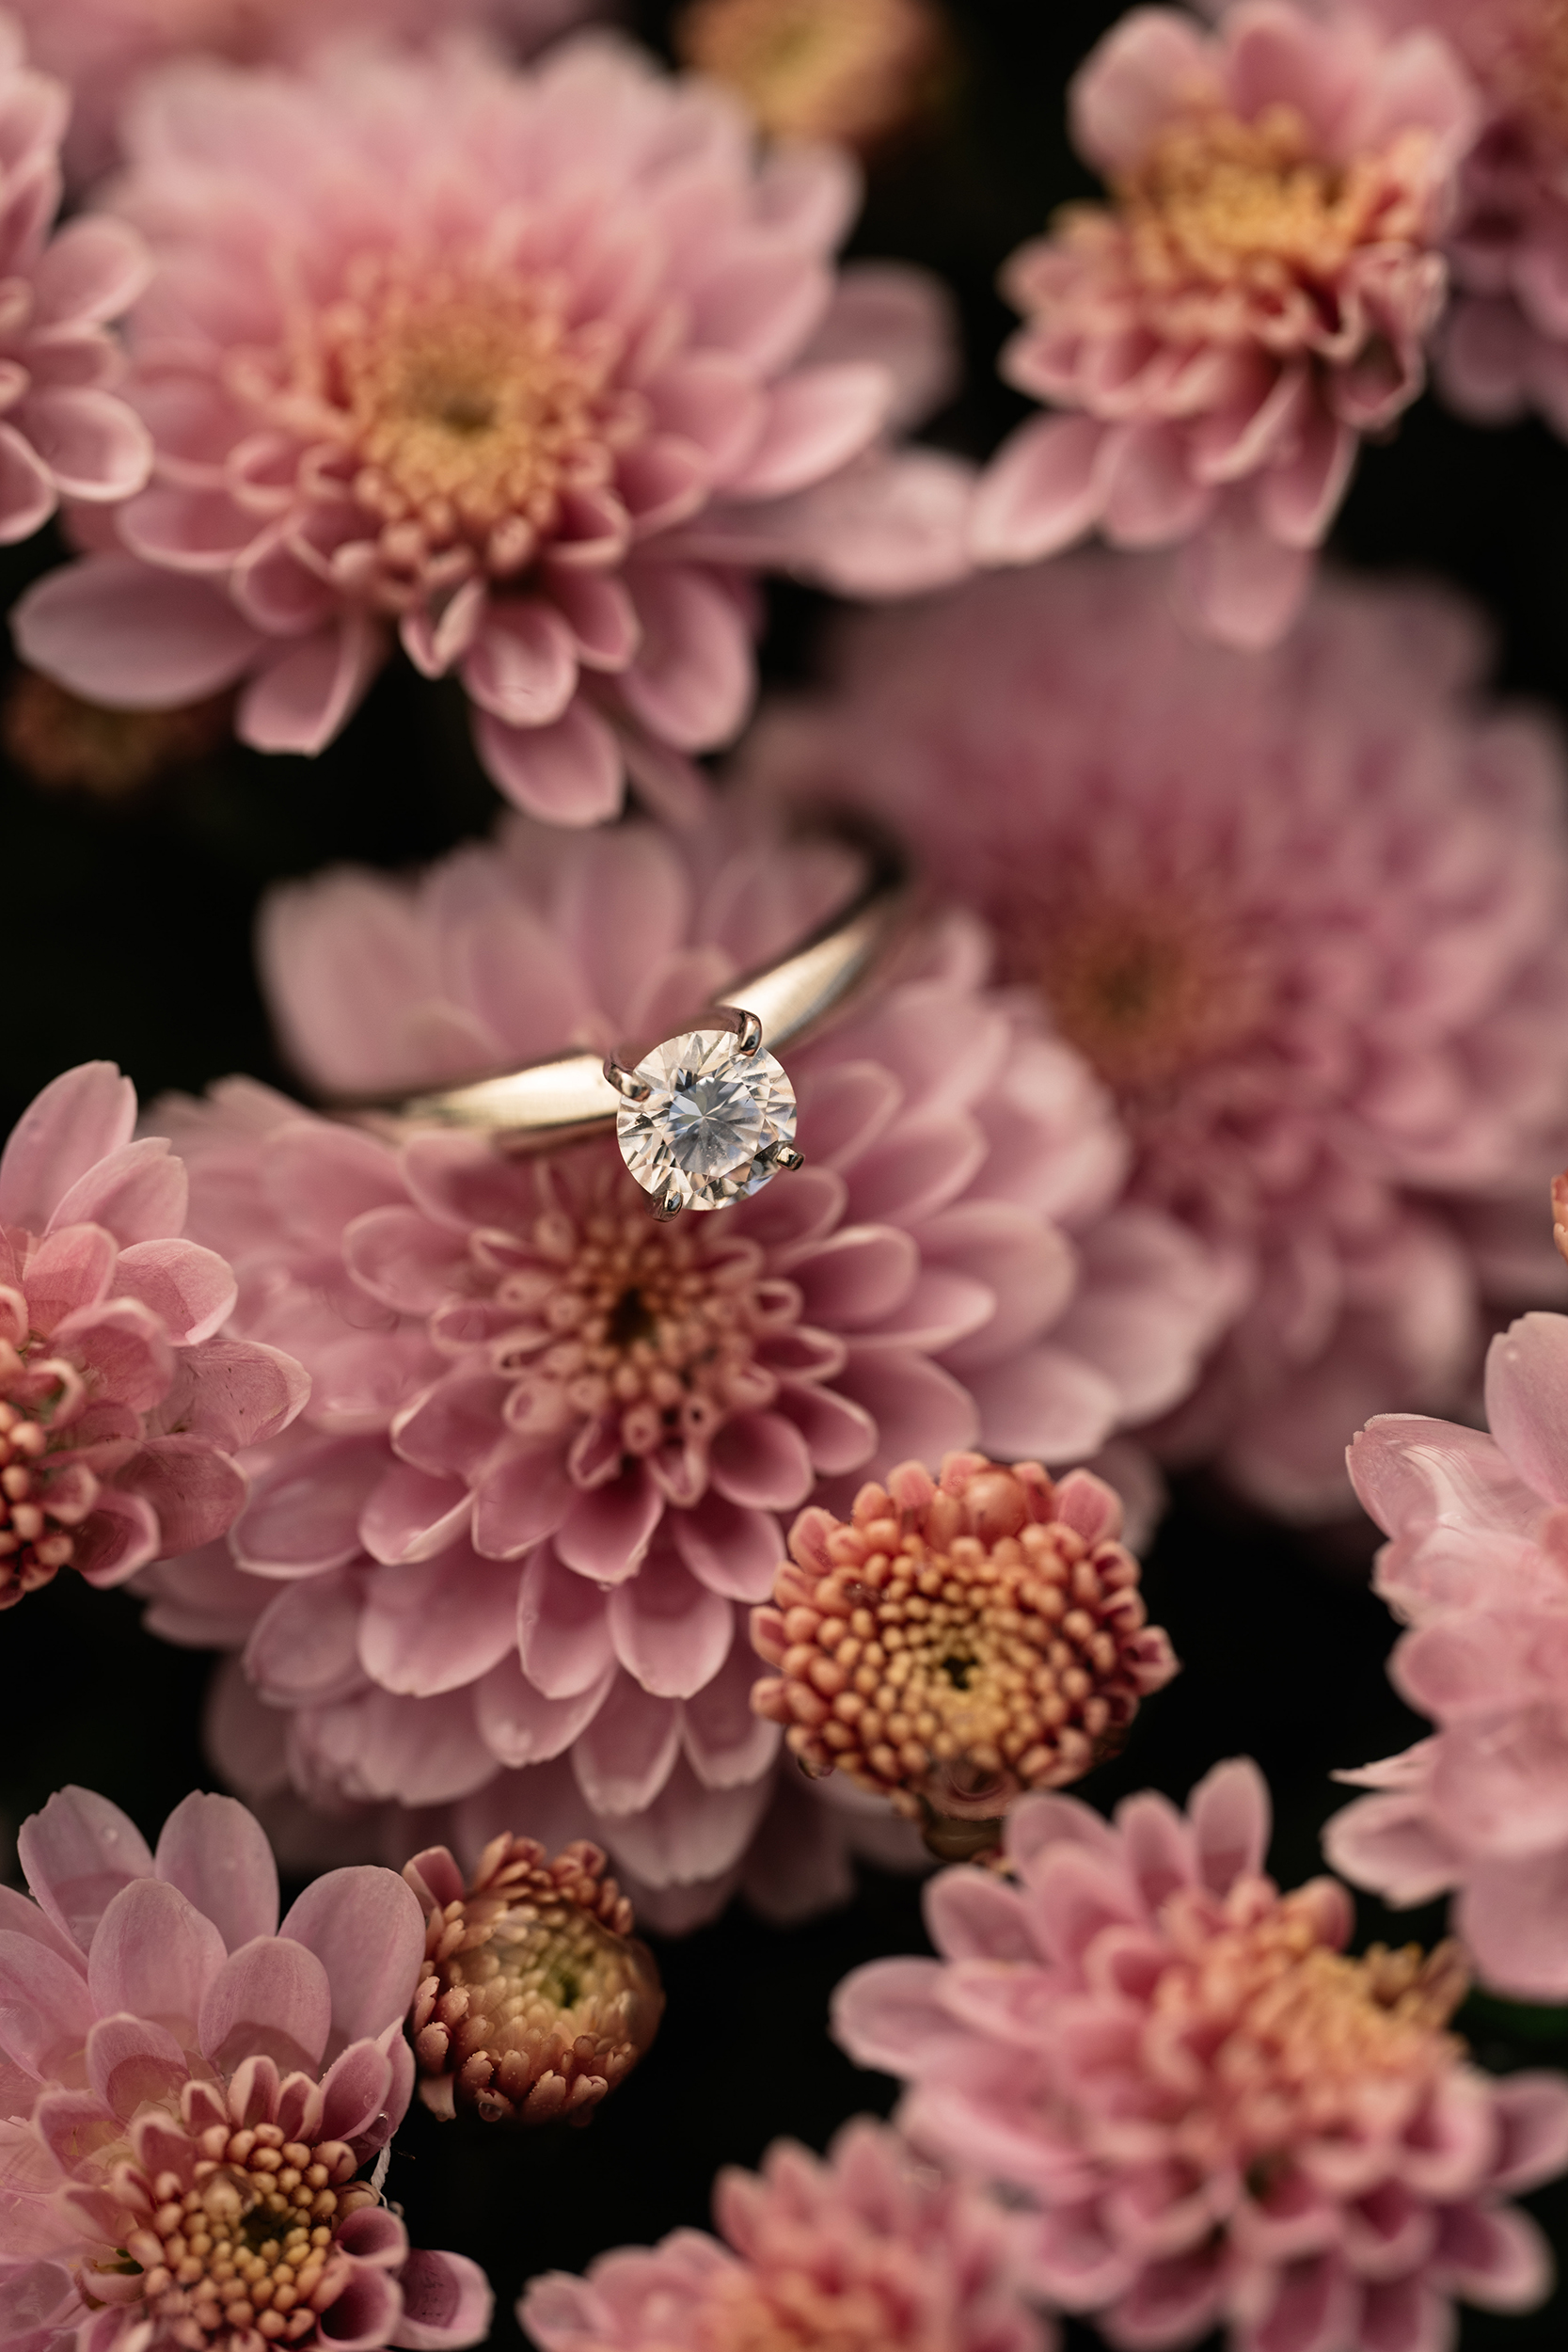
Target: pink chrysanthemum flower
{"x":570,"y":364}
{"x":102,"y":47}
{"x":864,"y":2250}
{"x":1217,"y":2116}
{"x":1504,"y":344}
{"x":65,"y":432}
{"x":952,"y":1645}
{"x":1256,"y":297}
{"x":188,"y":2091}
{"x":1476,"y":1567}
{"x":537,"y":1410}
{"x":1304,"y":913}
{"x":120,"y":1408}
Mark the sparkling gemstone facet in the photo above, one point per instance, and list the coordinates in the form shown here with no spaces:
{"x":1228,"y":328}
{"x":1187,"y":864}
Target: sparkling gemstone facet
{"x":713,"y":1122}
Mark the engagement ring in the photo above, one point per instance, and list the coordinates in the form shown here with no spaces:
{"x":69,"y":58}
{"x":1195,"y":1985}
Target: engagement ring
{"x":705,"y":1116}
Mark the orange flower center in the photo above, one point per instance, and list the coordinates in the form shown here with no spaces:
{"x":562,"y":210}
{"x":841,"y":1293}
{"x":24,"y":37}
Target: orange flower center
{"x":247,"y":2249}
{"x":1297,"y":2036}
{"x":1219,"y":203}
{"x":1147,"y":992}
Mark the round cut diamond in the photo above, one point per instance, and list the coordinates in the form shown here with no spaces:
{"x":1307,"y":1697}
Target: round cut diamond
{"x":712,"y":1124}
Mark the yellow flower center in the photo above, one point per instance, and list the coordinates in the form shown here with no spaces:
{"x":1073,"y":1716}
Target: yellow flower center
{"x":814,"y":68}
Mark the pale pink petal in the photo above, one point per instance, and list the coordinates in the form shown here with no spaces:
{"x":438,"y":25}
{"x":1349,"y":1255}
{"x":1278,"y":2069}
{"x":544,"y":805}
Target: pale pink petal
{"x":47,"y":2011}
{"x":435,"y":1625}
{"x":136,"y":1193}
{"x":447,"y":2302}
{"x":130,"y":2060}
{"x":77,"y":1855}
{"x":77,"y":1121}
{"x":569,"y":773}
{"x":365,"y":1928}
{"x":217,"y":1856}
{"x":94,"y":445}
{"x":271,"y":1999}
{"x":692,"y":681}
{"x":523,"y":668}
{"x":155,"y":1955}
{"x":191,"y":1290}
{"x":563,"y":1627}
{"x":91,"y":268}
{"x":117,"y":631}
{"x":27,"y":493}
{"x":1045,"y":488}
{"x":668,"y":1629}
{"x":299,"y":700}
{"x":1526,"y":1401}
{"x":627,"y":1752}
{"x":605,"y":1531}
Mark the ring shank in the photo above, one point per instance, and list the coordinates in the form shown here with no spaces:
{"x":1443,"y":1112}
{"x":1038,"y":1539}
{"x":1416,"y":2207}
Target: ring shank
{"x":551,"y":1103}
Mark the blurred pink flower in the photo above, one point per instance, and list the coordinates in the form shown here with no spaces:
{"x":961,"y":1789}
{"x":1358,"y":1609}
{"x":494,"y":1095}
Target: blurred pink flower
{"x":102,"y":47}
{"x":863,"y":2249}
{"x":1504,"y":345}
{"x":1216,"y":2116}
{"x":1256,"y":297}
{"x":64,"y":431}
{"x":120,"y":1408}
{"x":1478,"y":1567}
{"x":538,"y":1481}
{"x":570,"y":362}
{"x":156,"y":2020}
{"x":1308,"y":914}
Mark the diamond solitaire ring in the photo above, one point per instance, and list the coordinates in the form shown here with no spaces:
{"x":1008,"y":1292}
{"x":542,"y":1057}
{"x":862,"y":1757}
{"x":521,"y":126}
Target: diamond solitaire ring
{"x":705,"y":1116}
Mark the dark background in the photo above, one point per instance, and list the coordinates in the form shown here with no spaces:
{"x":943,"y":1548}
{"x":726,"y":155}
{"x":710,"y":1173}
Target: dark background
{"x":129,"y":936}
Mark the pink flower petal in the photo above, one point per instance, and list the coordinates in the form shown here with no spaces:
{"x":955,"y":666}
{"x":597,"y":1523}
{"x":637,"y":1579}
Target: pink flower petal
{"x":196,"y":1491}
{"x":410,"y":1515}
{"x":216,"y":1853}
{"x":47,"y":2011}
{"x":271,"y":1999}
{"x":668,"y":1629}
{"x":818,"y":419}
{"x":563,"y":1627}
{"x":447,"y":2302}
{"x":365,"y":1928}
{"x":692,"y":679}
{"x":137,"y":1194}
{"x":69,"y":1270}
{"x":94,"y":445}
{"x":727,"y":1744}
{"x":761,"y":1462}
{"x":78,"y":1120}
{"x":130,"y":2060}
{"x":155,"y":1955}
{"x":523,"y":668}
{"x":732,"y":1550}
{"x":627,"y":1752}
{"x":77,"y":1854}
{"x":521,"y":1500}
{"x":119,"y":632}
{"x":306,"y":1517}
{"x":1123,"y":98}
{"x":568,"y":773}
{"x":520,"y":1726}
{"x":27,"y":493}
{"x":235,"y":1392}
{"x":607,"y":1530}
{"x":299,"y":700}
{"x":1231,"y":1817}
{"x":434,"y":1625}
{"x":1046,"y":487}
{"x":92,"y":268}
{"x":191,"y":1290}
{"x":1526,"y":1401}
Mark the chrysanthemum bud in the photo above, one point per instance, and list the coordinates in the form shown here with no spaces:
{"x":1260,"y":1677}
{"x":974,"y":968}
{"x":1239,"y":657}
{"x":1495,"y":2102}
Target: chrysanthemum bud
{"x":956,"y":1644}
{"x":535,"y":1998}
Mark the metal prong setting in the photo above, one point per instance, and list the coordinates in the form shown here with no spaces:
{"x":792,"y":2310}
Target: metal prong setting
{"x":786,"y":1156}
{"x":749,"y":1032}
{"x":665,"y":1208}
{"x":626,"y":1083}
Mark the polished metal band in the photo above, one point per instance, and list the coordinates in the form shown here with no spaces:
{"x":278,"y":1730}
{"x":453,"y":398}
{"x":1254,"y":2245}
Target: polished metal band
{"x":549,"y":1103}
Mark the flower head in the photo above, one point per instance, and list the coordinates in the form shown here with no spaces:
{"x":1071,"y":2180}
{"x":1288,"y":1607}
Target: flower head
{"x":120,"y":1408}
{"x":538,"y":1481}
{"x":536,"y":2000}
{"x":1257,"y":295}
{"x":1303,"y":913}
{"x":1504,"y":346}
{"x":1475,"y":1567}
{"x":65,"y":432}
{"x":191,"y":2092}
{"x":1216,"y":2116}
{"x":849,"y":69}
{"x":956,"y":1644}
{"x":538,"y":425}
{"x":864,"y":2250}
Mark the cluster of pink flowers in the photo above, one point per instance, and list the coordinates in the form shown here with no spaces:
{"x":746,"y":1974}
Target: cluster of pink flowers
{"x":1212,"y":2115}
{"x":1332,"y":1010}
{"x":505,"y":1554}
{"x":122,"y":1401}
{"x":173,"y":2062}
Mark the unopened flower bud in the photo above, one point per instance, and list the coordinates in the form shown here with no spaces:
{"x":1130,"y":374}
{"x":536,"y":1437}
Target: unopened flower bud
{"x":535,"y":1999}
{"x":956,"y":1643}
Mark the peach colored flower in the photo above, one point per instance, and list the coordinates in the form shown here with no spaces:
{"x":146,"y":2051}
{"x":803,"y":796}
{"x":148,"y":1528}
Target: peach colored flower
{"x":571,"y":365}
{"x":188,"y":2091}
{"x":851,"y":70}
{"x":1212,"y":2114}
{"x":1257,"y":296}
